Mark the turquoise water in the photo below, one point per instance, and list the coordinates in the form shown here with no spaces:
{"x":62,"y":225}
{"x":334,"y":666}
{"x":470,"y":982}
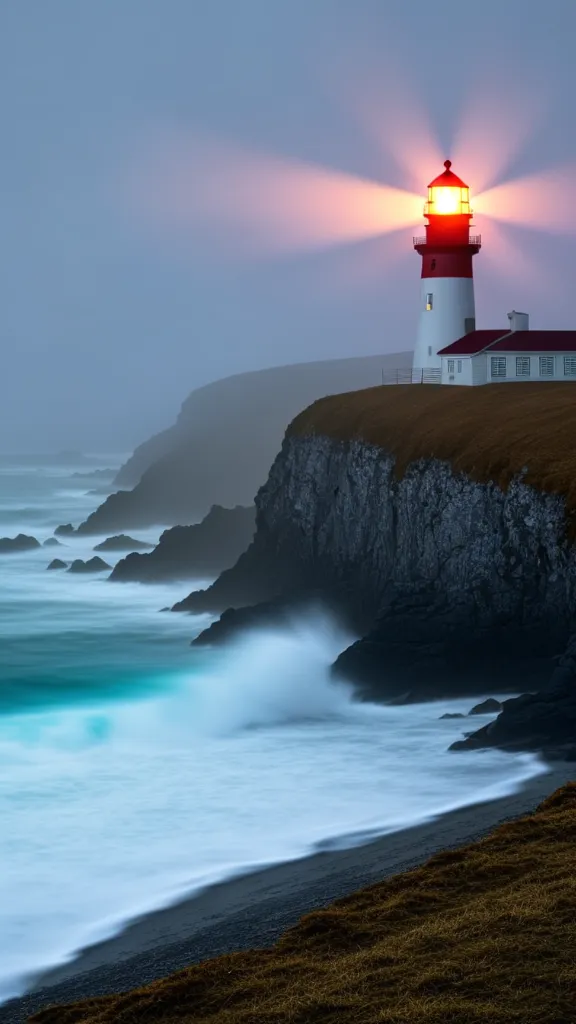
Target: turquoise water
{"x":70,"y":638}
{"x":134,"y":768}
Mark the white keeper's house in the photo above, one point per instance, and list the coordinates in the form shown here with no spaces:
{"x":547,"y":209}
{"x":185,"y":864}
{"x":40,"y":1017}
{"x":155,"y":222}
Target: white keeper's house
{"x":518,"y":354}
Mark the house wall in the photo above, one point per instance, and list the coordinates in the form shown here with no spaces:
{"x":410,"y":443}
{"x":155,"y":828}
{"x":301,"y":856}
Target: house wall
{"x":463,"y":370}
{"x":479,"y":369}
{"x":535,"y":374}
{"x":474,"y":370}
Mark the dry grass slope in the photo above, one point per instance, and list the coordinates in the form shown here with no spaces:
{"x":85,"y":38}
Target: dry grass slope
{"x":481,"y":935}
{"x":489,"y":433}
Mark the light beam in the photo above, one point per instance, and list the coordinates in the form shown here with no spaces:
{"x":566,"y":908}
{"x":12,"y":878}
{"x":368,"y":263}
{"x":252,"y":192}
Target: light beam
{"x":504,"y":256}
{"x":542,"y":201}
{"x":394,"y":119}
{"x":260,"y":204}
{"x":494,"y":126}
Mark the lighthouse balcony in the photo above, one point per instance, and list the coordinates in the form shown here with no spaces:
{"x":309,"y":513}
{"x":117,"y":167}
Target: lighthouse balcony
{"x":418,"y":240}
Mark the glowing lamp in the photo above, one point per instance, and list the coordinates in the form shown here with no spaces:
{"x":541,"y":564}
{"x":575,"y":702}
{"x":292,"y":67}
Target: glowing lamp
{"x":448,"y":195}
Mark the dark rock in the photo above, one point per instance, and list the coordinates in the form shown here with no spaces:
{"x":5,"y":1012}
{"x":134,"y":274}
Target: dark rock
{"x":185,"y":552}
{"x":431,"y":645}
{"x":255,"y":579}
{"x":488,"y":707}
{"x":57,"y":563}
{"x":64,"y":531}
{"x":235,"y":621}
{"x":544,"y":721}
{"x":52,"y":542}
{"x":95,"y":564}
{"x":12,"y":545}
{"x":122,"y":542}
{"x":279,"y":613}
{"x":227,"y":592}
{"x":456,"y":714}
{"x":531,"y":722}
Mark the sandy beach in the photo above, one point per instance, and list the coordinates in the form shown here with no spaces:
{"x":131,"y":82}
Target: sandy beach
{"x":253,"y":910}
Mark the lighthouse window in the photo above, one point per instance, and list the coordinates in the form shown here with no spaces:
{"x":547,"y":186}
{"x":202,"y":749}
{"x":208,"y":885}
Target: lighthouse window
{"x":522,"y":366}
{"x":498,"y":366}
{"x":546,"y":366}
{"x":570,"y":366}
{"x":429,"y":300}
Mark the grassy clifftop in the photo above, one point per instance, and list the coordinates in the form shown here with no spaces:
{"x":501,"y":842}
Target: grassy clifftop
{"x":490,"y":433}
{"x":480,"y":935}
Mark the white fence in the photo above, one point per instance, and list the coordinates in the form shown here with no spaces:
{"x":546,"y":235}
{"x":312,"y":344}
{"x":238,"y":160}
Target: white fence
{"x":427,"y":375}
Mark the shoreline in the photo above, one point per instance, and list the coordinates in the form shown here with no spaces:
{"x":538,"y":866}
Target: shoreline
{"x":252,"y":910}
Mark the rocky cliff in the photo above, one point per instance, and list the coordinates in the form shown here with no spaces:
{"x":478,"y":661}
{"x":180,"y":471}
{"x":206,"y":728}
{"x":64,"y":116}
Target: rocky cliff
{"x":220,"y":449}
{"x":438,"y":522}
{"x":192,"y":552}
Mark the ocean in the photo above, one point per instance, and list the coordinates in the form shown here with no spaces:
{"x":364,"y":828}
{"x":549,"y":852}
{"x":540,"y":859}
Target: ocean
{"x":135,"y":769}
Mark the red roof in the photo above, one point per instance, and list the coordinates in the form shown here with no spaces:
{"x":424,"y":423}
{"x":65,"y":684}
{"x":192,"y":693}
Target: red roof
{"x":448,"y":179}
{"x":537,"y":341}
{"x":511,"y":341}
{"x":472,"y":343}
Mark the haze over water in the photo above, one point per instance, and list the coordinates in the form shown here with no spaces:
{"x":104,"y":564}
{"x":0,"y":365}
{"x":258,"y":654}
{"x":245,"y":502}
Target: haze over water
{"x":134,"y":769}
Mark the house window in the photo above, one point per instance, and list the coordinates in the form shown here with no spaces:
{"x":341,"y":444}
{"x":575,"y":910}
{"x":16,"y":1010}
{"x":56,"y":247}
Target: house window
{"x":459,"y":366}
{"x":570,"y":366}
{"x":522,"y":366}
{"x":450,"y":366}
{"x":546,"y":366}
{"x":429,"y":300}
{"x":498,"y":366}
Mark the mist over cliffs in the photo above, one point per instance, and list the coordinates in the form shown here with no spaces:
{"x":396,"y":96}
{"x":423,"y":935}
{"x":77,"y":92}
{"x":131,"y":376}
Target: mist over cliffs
{"x":221,"y":447}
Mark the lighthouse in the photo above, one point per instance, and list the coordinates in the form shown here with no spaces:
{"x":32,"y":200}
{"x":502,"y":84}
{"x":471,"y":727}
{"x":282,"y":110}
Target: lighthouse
{"x":447,"y":283}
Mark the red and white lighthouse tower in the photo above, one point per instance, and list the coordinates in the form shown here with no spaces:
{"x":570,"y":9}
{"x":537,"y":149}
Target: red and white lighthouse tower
{"x":447,"y":288}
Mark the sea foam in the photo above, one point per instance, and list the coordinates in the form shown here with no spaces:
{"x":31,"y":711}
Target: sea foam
{"x":135,"y":769}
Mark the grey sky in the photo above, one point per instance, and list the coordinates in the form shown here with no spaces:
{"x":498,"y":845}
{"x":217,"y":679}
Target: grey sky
{"x":104,"y":329}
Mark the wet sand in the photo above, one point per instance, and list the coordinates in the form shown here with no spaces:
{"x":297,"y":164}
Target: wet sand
{"x":253,"y":910}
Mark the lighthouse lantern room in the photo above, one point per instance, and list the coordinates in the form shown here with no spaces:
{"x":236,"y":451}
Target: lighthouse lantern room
{"x":447,"y":309}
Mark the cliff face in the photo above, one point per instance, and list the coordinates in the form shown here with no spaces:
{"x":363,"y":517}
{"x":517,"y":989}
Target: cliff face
{"x":341,"y":508}
{"x":439,"y":523}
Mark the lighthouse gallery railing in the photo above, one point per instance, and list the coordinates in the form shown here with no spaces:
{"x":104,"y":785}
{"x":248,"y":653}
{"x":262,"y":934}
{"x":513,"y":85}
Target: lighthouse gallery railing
{"x":422,"y":240}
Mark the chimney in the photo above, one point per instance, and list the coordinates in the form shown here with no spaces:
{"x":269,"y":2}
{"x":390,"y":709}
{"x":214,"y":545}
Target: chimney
{"x":518,"y":321}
